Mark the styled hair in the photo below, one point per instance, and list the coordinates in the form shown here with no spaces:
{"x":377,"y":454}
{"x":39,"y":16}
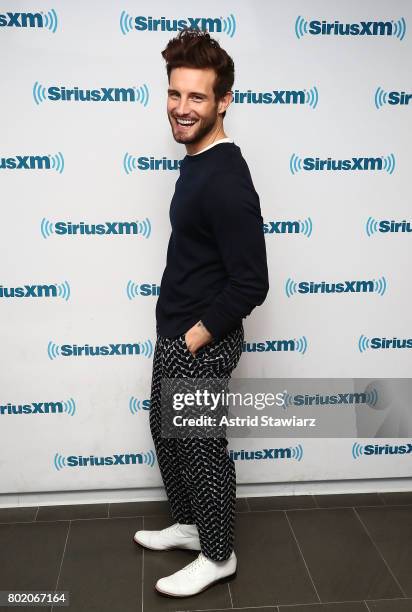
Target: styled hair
{"x":193,"y":48}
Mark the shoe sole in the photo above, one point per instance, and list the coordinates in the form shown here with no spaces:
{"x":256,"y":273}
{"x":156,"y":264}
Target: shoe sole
{"x":168,"y":548}
{"x":222,"y":580}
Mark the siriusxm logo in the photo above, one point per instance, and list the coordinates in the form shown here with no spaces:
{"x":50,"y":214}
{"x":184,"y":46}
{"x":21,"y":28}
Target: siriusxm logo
{"x":317,"y":27}
{"x":30,"y":20}
{"x":299,"y":96}
{"x":145,"y":162}
{"x":289,"y":227}
{"x":136,"y":405}
{"x":360,"y":450}
{"x":387,"y":163}
{"x":55,"y":93}
{"x":290,"y":452}
{"x":394,"y":98}
{"x":60,"y":461}
{"x":63,"y":407}
{"x":106,"y":350}
{"x":385,"y":226}
{"x":298,"y":345}
{"x":68,"y":407}
{"x":369,"y":398}
{"x":134,"y":290}
{"x":365,"y":343}
{"x":143,"y":23}
{"x":348,"y":286}
{"x":37,"y":291}
{"x":107,"y":228}
{"x":33,"y":162}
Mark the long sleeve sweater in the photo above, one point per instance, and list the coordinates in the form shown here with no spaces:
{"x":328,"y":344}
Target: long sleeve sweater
{"x":216,"y":265}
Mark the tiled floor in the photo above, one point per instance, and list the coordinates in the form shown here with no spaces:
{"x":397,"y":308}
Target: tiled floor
{"x":320,"y":553}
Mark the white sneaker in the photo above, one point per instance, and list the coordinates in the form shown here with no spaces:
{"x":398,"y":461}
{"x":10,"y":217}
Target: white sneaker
{"x":175,"y":536}
{"x":197,"y":576}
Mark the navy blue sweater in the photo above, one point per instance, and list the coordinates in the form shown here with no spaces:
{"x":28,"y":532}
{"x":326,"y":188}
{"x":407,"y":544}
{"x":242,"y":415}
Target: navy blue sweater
{"x":216,"y":267}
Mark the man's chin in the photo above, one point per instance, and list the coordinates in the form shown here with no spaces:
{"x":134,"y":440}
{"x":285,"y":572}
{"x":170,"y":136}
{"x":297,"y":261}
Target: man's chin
{"x":180,"y":138}
{"x":184,"y":139}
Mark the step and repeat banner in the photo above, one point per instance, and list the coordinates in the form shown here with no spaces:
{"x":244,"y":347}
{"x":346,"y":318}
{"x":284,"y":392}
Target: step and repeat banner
{"x":322,"y":113}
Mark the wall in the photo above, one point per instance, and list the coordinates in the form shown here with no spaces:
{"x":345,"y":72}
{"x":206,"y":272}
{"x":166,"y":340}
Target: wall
{"x":66,"y":162}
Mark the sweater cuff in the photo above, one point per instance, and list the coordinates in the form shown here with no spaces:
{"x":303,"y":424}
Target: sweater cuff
{"x":217,"y":326}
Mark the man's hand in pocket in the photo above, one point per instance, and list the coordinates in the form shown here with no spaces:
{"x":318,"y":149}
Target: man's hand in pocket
{"x":197,"y":336}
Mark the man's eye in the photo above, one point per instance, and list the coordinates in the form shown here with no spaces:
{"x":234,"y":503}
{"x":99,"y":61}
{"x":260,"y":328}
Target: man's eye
{"x":197,"y":98}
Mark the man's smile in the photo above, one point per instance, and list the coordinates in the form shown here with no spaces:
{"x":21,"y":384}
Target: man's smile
{"x":185,"y":123}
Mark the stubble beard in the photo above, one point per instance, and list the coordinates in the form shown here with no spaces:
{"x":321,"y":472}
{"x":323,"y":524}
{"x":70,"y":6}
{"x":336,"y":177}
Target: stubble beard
{"x":202,"y":130}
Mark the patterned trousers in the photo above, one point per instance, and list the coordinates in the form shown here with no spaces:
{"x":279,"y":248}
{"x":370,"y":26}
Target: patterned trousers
{"x":198,"y":473}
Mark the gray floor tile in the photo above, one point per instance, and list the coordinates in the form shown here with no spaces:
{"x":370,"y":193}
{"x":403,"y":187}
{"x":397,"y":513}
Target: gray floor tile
{"x":30,"y":556}
{"x":14,"y":515}
{"x":282,"y":502}
{"x":254,"y":609}
{"x":146,"y":508}
{"x":242,"y":505}
{"x":72,"y":512}
{"x":348,"y":500}
{"x":270,"y":567}
{"x":348,"y":606}
{"x":391,"y":530}
{"x":395,"y":605}
{"x":341,"y":558}
{"x":104,"y":569}
{"x":402,"y":497}
{"x":102,"y":566}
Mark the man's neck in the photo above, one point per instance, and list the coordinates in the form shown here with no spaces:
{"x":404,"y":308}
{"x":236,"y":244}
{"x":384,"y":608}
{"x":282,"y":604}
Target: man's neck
{"x":216,"y":142}
{"x":209,"y":139}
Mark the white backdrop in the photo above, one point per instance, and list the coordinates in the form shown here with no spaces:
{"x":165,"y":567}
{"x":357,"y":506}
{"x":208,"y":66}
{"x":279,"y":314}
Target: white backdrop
{"x":65,"y":162}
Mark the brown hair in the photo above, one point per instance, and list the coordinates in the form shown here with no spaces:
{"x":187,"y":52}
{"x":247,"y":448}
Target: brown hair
{"x":196,"y":49}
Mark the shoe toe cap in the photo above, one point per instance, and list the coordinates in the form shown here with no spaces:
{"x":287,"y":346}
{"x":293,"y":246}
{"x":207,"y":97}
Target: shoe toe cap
{"x":142,"y":537}
{"x":165,"y":585}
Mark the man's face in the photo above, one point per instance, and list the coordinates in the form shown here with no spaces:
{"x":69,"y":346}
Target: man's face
{"x":191,"y":106}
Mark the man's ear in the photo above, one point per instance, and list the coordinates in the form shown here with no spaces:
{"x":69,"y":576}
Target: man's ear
{"x":224,"y":102}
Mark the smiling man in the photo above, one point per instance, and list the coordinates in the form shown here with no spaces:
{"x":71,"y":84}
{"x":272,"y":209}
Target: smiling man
{"x":216,"y":273}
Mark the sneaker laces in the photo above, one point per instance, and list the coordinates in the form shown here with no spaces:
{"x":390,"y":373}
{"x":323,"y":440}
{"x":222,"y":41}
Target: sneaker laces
{"x":176,"y":527}
{"x":171,"y":529}
{"x":194,"y":565}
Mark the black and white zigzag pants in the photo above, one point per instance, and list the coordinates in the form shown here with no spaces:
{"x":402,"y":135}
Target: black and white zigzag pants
{"x":198,"y":473}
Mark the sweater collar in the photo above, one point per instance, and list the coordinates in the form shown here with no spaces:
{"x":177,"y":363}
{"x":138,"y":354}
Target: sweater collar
{"x":210,"y":146}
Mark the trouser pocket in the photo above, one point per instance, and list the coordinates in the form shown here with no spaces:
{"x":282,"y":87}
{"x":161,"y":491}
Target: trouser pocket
{"x":218,"y":356}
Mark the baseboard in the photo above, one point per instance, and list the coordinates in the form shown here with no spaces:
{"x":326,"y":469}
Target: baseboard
{"x":56,"y":498}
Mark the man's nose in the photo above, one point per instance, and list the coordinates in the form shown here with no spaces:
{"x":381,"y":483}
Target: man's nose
{"x":183,"y":107}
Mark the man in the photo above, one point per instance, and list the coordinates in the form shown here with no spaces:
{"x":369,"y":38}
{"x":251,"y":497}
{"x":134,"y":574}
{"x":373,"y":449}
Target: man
{"x":216,"y":273}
